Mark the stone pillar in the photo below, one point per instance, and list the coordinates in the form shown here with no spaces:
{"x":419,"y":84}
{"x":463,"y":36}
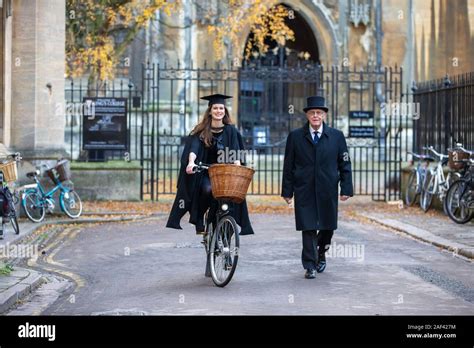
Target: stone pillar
{"x":38,"y":67}
{"x":6,"y":77}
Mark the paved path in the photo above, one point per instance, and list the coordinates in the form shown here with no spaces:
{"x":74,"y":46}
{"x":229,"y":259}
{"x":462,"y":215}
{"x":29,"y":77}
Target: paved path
{"x":144,"y":268}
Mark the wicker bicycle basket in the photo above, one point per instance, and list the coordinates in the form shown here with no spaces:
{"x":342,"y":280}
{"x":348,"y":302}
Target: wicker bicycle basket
{"x":454,"y":156}
{"x":230,"y":181}
{"x":60,"y":172}
{"x":10,"y":171}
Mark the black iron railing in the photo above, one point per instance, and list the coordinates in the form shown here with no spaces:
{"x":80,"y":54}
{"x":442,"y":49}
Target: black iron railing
{"x":268,"y":103}
{"x":446,"y":113}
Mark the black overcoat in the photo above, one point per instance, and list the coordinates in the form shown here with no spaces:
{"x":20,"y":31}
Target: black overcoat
{"x":187,"y":195}
{"x":311,"y":172}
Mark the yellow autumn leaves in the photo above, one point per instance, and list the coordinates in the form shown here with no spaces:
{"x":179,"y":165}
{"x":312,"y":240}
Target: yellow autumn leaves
{"x":92,"y":44}
{"x":264,"y":19}
{"x":92,"y":28}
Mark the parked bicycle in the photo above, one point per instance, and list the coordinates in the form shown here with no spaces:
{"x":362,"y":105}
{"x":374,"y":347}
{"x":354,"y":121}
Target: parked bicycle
{"x":460,"y":196}
{"x":8,"y":200}
{"x":416,"y":178}
{"x":221,"y":240}
{"x":36,"y":201}
{"x":436,"y":183}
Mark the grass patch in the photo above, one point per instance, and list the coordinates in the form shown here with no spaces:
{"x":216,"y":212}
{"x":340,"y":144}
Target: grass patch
{"x":5,"y":269}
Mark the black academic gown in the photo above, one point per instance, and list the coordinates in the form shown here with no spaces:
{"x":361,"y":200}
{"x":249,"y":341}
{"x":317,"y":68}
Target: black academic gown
{"x":187,"y":196}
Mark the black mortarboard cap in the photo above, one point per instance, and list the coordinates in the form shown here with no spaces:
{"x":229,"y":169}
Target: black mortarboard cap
{"x":216,"y":98}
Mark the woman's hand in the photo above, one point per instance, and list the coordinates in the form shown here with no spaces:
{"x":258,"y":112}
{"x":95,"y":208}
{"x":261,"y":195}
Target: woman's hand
{"x":189,"y":168}
{"x":191,"y":164}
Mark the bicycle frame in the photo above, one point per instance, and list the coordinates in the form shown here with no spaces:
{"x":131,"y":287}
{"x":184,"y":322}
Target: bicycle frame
{"x":439,"y":180}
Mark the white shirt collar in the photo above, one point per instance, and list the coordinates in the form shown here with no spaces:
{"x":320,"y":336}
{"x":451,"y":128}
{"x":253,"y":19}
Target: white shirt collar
{"x":320,"y":130}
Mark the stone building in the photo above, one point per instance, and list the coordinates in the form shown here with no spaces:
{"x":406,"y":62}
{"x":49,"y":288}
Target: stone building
{"x":444,"y":41}
{"x":428,"y":38}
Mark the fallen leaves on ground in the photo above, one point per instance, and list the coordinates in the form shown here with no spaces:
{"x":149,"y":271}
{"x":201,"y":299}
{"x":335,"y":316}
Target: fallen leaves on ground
{"x":257,"y":205}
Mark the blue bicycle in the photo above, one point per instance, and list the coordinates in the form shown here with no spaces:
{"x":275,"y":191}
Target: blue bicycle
{"x":36,"y":201}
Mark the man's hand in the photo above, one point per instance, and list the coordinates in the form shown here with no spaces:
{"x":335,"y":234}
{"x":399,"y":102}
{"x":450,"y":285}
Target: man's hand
{"x":345,"y":198}
{"x":189,"y":168}
{"x":288,"y":200}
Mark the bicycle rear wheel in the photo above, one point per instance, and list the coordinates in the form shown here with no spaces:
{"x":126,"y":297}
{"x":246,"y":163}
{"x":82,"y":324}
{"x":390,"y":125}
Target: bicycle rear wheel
{"x":413,"y":188}
{"x":33,"y":205}
{"x":457,"y":199}
{"x":224,"y":251}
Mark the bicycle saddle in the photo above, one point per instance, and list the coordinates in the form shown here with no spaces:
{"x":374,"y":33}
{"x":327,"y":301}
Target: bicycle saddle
{"x":423,"y":157}
{"x":427,"y":158}
{"x":32,"y":174}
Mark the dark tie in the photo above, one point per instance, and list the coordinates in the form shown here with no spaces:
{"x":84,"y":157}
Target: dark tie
{"x":316,"y":138}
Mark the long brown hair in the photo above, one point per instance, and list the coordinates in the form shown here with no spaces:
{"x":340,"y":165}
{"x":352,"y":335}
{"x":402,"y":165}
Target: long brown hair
{"x":203,"y":128}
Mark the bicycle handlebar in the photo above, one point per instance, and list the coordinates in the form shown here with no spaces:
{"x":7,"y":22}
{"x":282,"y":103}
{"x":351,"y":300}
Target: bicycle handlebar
{"x":420,"y":157}
{"x":464,"y":150}
{"x":414,"y":154}
{"x":430,"y":148}
{"x":200,"y":167}
{"x":15,"y":156}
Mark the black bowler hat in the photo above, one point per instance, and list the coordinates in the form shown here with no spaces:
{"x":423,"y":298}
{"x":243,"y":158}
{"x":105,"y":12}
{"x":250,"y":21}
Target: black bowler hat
{"x":216,"y":98}
{"x":316,"y":102}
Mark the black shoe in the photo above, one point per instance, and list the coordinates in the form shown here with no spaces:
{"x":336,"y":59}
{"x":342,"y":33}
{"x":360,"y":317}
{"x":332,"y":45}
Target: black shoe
{"x":321,"y":266}
{"x":310,"y":273}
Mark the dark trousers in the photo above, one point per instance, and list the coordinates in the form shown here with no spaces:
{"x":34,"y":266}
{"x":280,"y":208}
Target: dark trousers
{"x":314,"y":244}
{"x":206,"y":200}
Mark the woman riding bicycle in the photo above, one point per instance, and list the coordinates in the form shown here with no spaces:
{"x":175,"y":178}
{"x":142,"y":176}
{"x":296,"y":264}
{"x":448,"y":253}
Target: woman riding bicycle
{"x":207,"y":143}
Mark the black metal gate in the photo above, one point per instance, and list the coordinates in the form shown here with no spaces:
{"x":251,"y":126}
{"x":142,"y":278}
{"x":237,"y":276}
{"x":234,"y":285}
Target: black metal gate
{"x":268,"y":102}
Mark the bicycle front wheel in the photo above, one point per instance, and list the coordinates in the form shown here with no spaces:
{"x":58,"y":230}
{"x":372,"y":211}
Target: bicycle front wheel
{"x":224,"y":251}
{"x":457,"y":202}
{"x":450,"y":179}
{"x":34,"y":206}
{"x":71,"y":204}
{"x":15,"y":225}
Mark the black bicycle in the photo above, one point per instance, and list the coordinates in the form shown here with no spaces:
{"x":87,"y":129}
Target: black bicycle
{"x":8,"y":200}
{"x":221,"y":240}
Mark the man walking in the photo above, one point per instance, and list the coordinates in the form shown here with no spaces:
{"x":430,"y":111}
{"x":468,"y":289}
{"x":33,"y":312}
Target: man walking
{"x":316,"y":160}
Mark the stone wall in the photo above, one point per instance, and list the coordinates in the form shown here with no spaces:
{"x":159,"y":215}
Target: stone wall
{"x":107,"y":181}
